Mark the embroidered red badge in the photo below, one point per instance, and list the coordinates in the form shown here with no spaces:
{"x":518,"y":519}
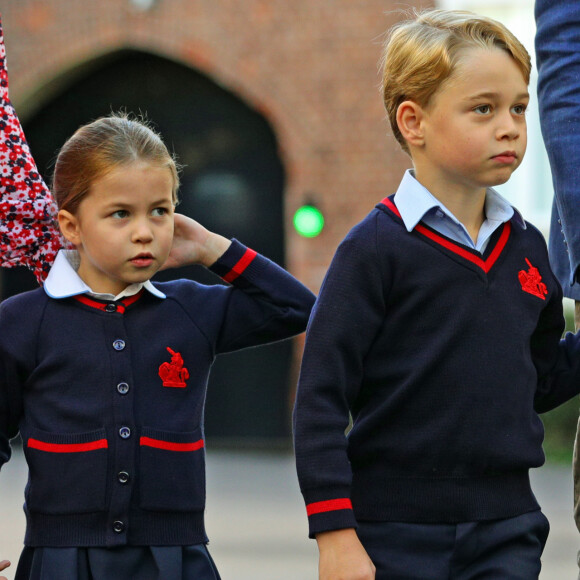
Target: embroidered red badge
{"x":531,"y":281}
{"x":174,"y":374}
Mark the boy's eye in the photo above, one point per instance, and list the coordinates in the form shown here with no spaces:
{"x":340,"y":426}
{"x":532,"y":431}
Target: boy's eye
{"x":120,"y":214}
{"x":159,"y":211}
{"x":483,"y":109}
{"x":519,"y":109}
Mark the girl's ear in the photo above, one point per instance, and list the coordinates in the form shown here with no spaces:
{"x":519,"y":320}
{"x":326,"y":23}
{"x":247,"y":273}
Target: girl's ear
{"x":69,"y":226}
{"x":410,"y":121}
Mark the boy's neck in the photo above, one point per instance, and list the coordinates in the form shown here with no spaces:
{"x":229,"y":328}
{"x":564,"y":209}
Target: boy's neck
{"x":467,"y":207}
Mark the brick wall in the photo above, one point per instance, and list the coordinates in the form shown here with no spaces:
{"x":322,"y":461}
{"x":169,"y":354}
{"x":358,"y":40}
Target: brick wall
{"x":310,"y":67}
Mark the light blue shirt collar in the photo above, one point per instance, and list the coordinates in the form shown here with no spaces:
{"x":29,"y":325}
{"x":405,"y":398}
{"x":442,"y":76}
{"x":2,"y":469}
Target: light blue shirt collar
{"x":63,"y":281}
{"x":416,"y":203}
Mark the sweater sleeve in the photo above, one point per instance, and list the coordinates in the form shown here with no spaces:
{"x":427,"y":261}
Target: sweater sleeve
{"x":557,"y":360}
{"x":345,"y":320}
{"x":264,"y":302}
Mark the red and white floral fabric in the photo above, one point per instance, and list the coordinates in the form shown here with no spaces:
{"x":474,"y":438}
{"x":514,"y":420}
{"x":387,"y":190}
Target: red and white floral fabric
{"x":29,"y":233}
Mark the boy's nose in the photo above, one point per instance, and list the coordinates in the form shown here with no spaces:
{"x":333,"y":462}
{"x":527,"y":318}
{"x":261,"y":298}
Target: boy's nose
{"x":509,"y":128}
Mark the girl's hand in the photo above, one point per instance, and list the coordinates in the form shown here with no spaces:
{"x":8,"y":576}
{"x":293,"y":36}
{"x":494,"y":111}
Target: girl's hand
{"x":194,"y":244}
{"x":343,"y":557}
{"x":3,"y":565}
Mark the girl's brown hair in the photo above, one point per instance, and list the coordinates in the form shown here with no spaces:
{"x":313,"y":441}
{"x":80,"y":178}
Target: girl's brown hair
{"x":421,"y":53}
{"x":99,"y":147}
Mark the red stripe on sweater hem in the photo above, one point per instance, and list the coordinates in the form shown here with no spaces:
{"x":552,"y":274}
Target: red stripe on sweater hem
{"x":67,"y":447}
{"x":242,"y":264}
{"x":168,"y":446}
{"x":330,"y":505}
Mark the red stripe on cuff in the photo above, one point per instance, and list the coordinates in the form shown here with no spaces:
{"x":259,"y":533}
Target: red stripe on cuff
{"x":67,"y":447}
{"x":242,"y":264}
{"x":329,"y":505}
{"x":168,"y":446}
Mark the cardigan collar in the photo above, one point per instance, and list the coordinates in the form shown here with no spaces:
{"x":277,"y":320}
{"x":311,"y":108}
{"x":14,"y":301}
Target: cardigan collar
{"x":63,"y":281}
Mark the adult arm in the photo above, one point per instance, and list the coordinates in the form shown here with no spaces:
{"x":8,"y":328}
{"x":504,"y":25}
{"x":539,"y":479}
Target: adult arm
{"x":558,"y":59}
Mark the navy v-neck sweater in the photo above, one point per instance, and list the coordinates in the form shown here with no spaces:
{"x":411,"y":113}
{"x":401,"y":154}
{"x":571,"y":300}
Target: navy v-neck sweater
{"x":109,"y":398}
{"x":443,"y":358}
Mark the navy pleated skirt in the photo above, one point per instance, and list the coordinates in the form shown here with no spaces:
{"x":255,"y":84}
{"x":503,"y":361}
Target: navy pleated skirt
{"x":125,"y":563}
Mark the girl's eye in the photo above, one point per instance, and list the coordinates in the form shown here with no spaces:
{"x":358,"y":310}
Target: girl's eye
{"x":519,"y":109}
{"x":120,"y":214}
{"x":159,"y":211}
{"x":483,"y":109}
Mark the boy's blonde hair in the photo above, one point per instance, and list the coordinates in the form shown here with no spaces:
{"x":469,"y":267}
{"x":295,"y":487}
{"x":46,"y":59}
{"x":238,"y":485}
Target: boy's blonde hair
{"x":421,"y":53}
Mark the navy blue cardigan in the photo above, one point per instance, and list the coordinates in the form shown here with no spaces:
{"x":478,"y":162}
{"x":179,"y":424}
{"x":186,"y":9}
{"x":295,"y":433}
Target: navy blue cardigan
{"x":109,"y":399}
{"x":443,"y":358}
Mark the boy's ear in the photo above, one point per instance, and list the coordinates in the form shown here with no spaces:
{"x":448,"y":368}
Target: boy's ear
{"x":69,"y":226}
{"x":410,"y":122}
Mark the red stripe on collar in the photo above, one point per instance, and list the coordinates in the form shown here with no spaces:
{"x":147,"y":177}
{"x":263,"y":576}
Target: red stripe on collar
{"x":485,"y":265}
{"x":119,"y":306}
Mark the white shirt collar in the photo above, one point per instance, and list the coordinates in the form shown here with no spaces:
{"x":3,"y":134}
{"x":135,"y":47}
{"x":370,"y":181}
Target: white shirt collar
{"x":63,"y":281}
{"x":413,"y":201}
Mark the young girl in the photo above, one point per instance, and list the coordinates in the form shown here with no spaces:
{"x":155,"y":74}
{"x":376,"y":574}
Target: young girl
{"x":104,"y":373}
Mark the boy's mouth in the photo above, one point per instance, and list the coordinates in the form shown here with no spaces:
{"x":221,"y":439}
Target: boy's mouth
{"x":506,"y":157}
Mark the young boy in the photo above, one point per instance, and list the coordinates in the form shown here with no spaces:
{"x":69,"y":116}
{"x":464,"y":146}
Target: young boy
{"x":437,"y":331}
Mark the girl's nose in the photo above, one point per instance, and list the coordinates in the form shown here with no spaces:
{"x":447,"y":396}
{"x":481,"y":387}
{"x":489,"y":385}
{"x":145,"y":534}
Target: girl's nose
{"x":142,"y":231}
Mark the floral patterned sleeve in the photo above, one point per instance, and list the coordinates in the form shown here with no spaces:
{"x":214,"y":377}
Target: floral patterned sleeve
{"x":29,"y":233}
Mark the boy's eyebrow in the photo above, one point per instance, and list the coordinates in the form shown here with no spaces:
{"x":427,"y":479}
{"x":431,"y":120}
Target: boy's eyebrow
{"x":494,"y":95}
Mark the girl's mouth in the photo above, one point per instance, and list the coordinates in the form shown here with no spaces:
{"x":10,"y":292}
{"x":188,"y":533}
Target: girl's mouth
{"x":142,"y":260}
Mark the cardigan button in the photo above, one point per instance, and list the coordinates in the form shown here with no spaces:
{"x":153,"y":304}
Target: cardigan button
{"x":119,"y":344}
{"x":123,"y":388}
{"x":123,"y":477}
{"x":125,"y":432}
{"x":111,"y":307}
{"x":118,"y":527}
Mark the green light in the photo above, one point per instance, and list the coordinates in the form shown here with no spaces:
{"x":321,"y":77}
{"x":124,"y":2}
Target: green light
{"x":308,"y":221}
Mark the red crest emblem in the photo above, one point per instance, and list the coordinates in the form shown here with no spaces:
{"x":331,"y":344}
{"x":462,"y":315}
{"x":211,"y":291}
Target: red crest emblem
{"x":531,"y":281}
{"x":174,"y":374}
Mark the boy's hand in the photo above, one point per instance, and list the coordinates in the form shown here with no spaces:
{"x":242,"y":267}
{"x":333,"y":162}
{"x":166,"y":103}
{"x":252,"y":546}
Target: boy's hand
{"x":3,"y":565}
{"x":342,"y":557}
{"x":193,"y":244}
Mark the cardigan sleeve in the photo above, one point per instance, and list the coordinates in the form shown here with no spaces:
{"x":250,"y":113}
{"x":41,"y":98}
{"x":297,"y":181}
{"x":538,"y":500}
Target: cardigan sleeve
{"x":264,"y":303}
{"x":17,"y":355}
{"x":345,"y":320}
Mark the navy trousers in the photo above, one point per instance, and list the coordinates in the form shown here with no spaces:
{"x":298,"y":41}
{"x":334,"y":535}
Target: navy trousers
{"x":507,"y":549}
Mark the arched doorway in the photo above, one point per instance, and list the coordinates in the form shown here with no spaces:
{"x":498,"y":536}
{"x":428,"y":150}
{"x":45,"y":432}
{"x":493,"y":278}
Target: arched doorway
{"x":232,"y":182}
